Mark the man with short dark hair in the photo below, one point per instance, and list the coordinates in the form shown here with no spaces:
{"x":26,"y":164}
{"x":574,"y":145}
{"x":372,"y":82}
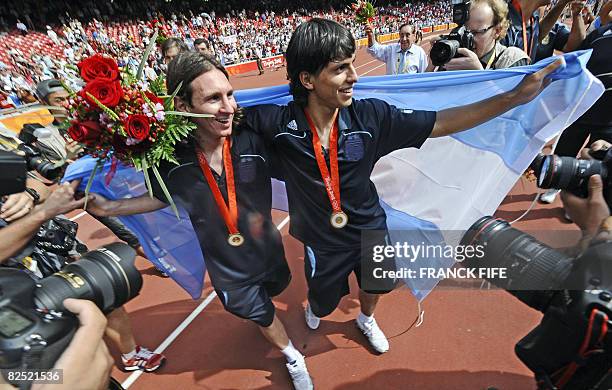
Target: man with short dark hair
{"x":201,"y":46}
{"x":401,"y":57}
{"x":49,"y":139}
{"x":335,"y":211}
{"x":171,"y":47}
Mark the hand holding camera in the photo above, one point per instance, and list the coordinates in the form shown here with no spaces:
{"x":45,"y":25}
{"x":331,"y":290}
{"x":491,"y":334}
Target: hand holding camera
{"x":86,"y":362}
{"x":466,"y":59}
{"x":572,"y":175}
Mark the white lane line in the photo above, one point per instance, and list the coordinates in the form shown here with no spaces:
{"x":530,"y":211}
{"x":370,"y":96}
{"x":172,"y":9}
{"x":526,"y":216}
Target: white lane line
{"x":132,"y":378}
{"x":78,"y":216}
{"x":362,"y":65}
{"x":283,"y":223}
{"x":179,"y":329}
{"x":372,"y":70}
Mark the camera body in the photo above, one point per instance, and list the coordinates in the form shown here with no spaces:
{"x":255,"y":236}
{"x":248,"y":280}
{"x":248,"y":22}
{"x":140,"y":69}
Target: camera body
{"x":574,"y":294}
{"x":444,"y":49}
{"x":28,"y":335}
{"x":571,"y":174}
{"x":35,"y":328}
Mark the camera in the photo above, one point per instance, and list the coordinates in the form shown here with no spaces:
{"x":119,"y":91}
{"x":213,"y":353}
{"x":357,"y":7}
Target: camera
{"x":571,"y":174}
{"x":446,"y":47}
{"x":35,"y":328}
{"x":574,"y":294}
{"x":29,"y":134}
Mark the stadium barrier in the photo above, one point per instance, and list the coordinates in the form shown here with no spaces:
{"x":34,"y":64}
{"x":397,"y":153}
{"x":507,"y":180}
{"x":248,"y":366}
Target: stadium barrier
{"x":278,"y":61}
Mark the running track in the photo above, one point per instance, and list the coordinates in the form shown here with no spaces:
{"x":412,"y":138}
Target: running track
{"x":466,"y":341}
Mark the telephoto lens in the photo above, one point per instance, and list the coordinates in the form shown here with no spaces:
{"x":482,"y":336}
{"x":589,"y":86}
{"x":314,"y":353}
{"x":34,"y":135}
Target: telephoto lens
{"x":568,"y":173}
{"x":534,"y":270}
{"x":106,"y":276}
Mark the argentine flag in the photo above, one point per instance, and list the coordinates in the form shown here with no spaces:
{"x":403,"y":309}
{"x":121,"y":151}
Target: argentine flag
{"x":446,"y":185}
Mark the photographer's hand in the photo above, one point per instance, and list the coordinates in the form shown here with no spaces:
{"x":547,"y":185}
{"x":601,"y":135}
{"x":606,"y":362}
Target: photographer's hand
{"x":16,"y":206}
{"x":590,"y":212}
{"x":468,"y":61}
{"x":86,"y":363}
{"x":19,"y":233}
{"x":595,"y":147}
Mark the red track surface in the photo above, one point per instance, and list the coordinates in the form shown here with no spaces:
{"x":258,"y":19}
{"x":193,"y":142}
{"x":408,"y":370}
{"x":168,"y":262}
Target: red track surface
{"x":466,"y":341}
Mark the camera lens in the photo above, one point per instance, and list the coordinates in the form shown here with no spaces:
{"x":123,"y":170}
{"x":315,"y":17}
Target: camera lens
{"x":46,"y":168}
{"x":567,"y":173}
{"x":442,"y":51}
{"x":533,"y":269}
{"x":106,"y":276}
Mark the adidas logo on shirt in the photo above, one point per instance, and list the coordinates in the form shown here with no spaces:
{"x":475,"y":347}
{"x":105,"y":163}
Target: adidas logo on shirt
{"x":292,"y":125}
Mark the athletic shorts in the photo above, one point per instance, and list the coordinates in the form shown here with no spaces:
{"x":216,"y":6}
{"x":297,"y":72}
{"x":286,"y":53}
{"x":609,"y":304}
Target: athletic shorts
{"x":254,"y":301}
{"x":327,"y":273}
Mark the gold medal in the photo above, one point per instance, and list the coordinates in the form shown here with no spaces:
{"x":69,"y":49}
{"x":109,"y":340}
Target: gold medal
{"x":235,"y":239}
{"x":339,"y":219}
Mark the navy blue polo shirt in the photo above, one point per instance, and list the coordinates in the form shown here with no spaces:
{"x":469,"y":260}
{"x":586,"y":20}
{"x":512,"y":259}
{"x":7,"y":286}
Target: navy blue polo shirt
{"x":262,"y":251}
{"x":556,"y":40}
{"x":367,"y":130}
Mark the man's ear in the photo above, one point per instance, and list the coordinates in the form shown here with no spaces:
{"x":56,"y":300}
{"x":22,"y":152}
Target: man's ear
{"x":306,"y":80}
{"x":181,"y":105}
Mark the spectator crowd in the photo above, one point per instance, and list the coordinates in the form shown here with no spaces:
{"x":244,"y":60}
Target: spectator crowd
{"x":33,"y":53}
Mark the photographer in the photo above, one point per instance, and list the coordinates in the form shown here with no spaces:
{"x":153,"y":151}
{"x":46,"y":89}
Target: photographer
{"x":488,"y":23}
{"x":19,"y":250}
{"x":85,"y":364}
{"x":54,"y":146}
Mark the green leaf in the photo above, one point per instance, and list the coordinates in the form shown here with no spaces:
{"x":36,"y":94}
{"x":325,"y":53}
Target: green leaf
{"x":145,"y":56}
{"x":166,"y":192}
{"x":90,"y":181}
{"x":145,"y":170}
{"x":70,"y":91}
{"x":107,"y":110}
{"x":158,"y":87}
{"x":169,"y":104}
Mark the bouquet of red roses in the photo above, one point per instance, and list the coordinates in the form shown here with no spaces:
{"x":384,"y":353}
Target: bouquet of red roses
{"x":115,"y":116}
{"x":364,"y":11}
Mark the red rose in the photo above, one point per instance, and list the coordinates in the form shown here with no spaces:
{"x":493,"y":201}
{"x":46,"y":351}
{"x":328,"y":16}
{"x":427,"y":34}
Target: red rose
{"x":137,"y":126}
{"x":87,"y":132}
{"x":107,"y":93}
{"x":98,"y":67}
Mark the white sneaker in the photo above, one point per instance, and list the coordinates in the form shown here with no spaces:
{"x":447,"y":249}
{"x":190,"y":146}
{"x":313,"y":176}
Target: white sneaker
{"x":312,"y":320}
{"x":549,"y":196}
{"x":375,"y":336}
{"x":299,"y":374}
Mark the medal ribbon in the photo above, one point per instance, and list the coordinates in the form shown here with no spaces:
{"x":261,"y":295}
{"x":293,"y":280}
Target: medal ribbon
{"x":332,"y":183}
{"x":229,"y":214}
{"x":527,"y":48}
